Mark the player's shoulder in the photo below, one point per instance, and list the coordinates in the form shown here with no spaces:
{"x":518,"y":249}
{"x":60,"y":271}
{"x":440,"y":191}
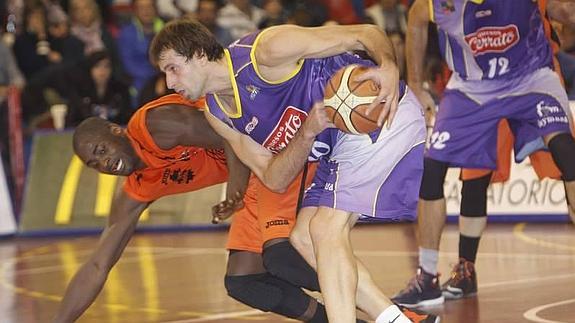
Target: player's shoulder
{"x":175,"y":112}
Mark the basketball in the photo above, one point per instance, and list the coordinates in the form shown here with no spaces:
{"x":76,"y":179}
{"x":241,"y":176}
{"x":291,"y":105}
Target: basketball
{"x":346,"y":101}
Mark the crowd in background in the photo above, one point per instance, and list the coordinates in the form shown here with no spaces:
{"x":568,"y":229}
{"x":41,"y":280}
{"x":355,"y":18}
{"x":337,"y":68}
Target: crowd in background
{"x":92,"y":55}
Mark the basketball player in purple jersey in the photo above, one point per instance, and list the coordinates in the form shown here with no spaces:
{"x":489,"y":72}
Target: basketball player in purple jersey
{"x":260,"y":93}
{"x":502,"y":68}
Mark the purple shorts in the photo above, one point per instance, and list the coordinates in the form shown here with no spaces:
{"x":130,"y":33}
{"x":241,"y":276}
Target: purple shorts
{"x":465,"y":131}
{"x":377,"y":177}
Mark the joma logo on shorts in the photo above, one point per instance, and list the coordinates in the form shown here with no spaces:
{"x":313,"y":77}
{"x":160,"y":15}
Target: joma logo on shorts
{"x":492,"y":39}
{"x":276,"y":222}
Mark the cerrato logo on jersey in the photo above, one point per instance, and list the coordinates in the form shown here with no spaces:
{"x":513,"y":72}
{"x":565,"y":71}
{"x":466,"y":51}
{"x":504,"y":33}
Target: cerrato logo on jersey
{"x":492,"y":39}
{"x":251,"y":125}
{"x":286,"y":128}
{"x":549,"y":114}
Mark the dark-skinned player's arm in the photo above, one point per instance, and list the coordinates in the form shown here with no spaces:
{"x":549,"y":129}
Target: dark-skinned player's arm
{"x":238,"y":178}
{"x":179,"y":125}
{"x":416,"y":44}
{"x":89,"y":280}
{"x":279,"y":170}
{"x":275,"y":60}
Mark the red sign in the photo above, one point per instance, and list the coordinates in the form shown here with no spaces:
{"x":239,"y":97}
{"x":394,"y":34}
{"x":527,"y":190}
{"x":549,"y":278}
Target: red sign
{"x":492,"y":39}
{"x":289,"y":123}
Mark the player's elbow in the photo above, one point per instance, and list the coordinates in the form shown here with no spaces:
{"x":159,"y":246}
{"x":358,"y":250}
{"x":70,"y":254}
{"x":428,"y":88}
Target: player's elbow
{"x":274,"y":185}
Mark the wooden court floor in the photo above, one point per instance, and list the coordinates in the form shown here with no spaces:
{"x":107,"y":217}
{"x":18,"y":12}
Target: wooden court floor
{"x":526,"y":274}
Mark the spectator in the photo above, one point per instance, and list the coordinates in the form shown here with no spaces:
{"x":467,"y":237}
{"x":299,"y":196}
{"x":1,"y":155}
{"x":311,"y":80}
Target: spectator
{"x":171,"y":9}
{"x":10,"y":75}
{"x":31,"y":47}
{"x":274,"y":14}
{"x":240,"y":17}
{"x":153,"y":89}
{"x":92,"y":90}
{"x":68,"y":49}
{"x":389,"y":15}
{"x":86,"y":24}
{"x":306,"y":13}
{"x":343,"y":11}
{"x":207,"y":13}
{"x":134,"y":40}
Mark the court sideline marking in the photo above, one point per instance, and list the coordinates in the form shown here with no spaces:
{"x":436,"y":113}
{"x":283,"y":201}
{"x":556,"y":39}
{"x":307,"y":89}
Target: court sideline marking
{"x":531,"y":314}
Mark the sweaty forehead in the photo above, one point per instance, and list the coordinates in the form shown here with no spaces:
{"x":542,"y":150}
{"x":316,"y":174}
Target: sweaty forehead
{"x":169,"y":57}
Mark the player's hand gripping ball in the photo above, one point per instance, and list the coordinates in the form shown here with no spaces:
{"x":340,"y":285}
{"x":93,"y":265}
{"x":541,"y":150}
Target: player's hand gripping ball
{"x":346,"y":101}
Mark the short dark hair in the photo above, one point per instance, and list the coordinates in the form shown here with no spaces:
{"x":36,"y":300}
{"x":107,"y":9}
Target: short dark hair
{"x":187,"y":38}
{"x":90,"y":127}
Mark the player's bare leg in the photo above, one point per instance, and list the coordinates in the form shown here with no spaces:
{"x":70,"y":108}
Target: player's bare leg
{"x":336,"y":264}
{"x":370,"y":299}
{"x":472,"y":226}
{"x":431,"y":217}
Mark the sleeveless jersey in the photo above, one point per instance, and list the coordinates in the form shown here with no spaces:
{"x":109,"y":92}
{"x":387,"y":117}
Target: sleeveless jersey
{"x":177,"y":170}
{"x":491,"y":39}
{"x":272,"y":112}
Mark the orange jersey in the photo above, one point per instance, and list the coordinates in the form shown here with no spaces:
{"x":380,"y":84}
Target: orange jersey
{"x":177,"y":170}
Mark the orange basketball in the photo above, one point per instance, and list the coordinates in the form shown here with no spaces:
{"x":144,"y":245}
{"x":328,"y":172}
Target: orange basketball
{"x":346,"y":101}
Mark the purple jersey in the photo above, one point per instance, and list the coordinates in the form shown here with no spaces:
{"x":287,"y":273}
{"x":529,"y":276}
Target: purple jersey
{"x":491,"y":39}
{"x":272,"y":112}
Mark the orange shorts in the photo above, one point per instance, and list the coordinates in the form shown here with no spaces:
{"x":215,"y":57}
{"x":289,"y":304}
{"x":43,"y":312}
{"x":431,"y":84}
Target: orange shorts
{"x":266,"y":215}
{"x":541,"y":161}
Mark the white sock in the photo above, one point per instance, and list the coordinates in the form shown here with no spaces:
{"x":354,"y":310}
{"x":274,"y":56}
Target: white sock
{"x":392,"y":314}
{"x":428,"y":260}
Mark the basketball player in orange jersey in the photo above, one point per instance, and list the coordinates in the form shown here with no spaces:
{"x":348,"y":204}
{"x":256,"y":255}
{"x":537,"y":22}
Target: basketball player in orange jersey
{"x":169,"y":148}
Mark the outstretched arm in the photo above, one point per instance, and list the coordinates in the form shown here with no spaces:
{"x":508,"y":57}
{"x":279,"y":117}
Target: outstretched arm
{"x":280,"y":49}
{"x":90,"y":279}
{"x":238,"y":178}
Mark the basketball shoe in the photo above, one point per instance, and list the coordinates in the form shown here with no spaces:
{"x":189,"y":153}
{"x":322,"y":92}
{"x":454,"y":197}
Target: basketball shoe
{"x":463,"y":281}
{"x":418,"y":316}
{"x":422,"y":290}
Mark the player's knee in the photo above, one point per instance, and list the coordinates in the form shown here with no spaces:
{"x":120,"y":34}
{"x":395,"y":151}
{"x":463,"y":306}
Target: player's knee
{"x":300,"y":240}
{"x":562,"y":148}
{"x":248,"y":290}
{"x":283,"y":261}
{"x":433,"y":177}
{"x":474,"y":196}
{"x":323,"y":228}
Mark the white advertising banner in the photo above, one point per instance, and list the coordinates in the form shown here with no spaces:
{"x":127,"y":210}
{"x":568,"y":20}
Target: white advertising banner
{"x":7,"y":223}
{"x":522,"y":194}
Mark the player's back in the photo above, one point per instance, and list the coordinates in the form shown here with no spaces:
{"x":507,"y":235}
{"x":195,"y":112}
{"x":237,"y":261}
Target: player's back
{"x":170,"y":171}
{"x":492,"y":39}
